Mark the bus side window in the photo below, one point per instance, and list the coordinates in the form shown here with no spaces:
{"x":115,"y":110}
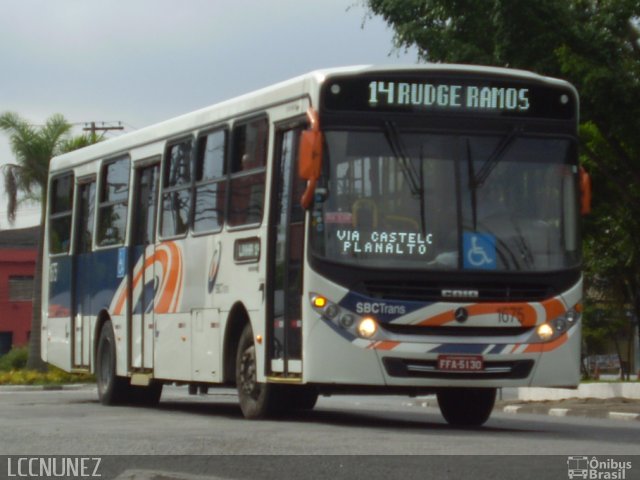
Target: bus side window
{"x":250,"y":143}
{"x":112,"y":211}
{"x":176,"y":192}
{"x":211,"y":182}
{"x":60,"y":214}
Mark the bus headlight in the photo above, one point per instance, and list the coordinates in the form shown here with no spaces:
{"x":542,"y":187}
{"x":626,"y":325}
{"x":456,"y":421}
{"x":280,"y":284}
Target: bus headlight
{"x":545,"y":332}
{"x":367,"y":327}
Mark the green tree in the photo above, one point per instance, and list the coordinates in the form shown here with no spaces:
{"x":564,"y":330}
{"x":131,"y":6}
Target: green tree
{"x":595,"y":45}
{"x":26,"y":179}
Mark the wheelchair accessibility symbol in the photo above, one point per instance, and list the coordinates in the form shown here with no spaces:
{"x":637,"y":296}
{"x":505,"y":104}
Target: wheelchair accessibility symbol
{"x":479,"y":251}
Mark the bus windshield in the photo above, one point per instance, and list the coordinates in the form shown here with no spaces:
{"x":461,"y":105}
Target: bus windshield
{"x":390,"y":199}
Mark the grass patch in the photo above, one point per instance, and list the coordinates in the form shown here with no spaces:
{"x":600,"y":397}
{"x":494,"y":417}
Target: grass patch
{"x":13,"y":372}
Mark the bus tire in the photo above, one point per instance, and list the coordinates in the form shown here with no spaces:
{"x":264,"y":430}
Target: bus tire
{"x":112,"y":389}
{"x":257,"y":400}
{"x":466,"y":406}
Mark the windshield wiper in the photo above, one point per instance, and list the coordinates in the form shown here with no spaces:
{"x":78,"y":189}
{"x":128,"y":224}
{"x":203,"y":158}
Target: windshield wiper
{"x":477,"y":180}
{"x":493,"y":159}
{"x":415,"y":179}
{"x":397,"y":148}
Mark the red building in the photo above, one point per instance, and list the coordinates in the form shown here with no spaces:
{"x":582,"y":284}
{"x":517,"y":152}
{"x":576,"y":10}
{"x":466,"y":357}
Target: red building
{"x":18,"y":251}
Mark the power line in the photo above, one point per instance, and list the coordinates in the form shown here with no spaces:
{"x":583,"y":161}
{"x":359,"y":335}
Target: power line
{"x":93,"y":128}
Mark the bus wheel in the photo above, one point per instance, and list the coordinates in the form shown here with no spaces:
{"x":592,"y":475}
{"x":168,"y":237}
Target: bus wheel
{"x":466,"y":406}
{"x":257,"y":400}
{"x":112,"y":389}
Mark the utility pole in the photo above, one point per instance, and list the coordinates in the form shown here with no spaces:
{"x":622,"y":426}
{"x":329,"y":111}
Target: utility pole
{"x":93,"y":128}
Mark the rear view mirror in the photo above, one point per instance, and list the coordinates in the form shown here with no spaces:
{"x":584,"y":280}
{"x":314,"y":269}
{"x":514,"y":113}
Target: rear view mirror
{"x":310,"y":157}
{"x":310,"y":154}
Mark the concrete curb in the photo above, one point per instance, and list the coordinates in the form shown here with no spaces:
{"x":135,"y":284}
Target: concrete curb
{"x":568,"y":412}
{"x":584,"y":390}
{"x":541,"y":409}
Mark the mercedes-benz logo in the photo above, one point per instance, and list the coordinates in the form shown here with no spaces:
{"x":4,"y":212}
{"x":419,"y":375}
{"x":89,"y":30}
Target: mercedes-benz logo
{"x":461,"y":315}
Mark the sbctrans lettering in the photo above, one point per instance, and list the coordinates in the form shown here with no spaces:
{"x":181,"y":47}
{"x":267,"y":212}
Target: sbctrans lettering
{"x":469,"y":97}
{"x":380,"y":308}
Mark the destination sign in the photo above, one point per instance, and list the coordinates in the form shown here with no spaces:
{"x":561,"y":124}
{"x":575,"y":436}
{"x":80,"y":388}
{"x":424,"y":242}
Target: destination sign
{"x":446,"y":94}
{"x":471,"y":97}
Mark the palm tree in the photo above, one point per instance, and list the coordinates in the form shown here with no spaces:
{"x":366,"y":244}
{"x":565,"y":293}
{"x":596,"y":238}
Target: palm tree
{"x":33,"y":148}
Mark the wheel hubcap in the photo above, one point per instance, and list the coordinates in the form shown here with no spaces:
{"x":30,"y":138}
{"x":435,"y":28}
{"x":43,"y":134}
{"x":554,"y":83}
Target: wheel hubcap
{"x":248,"y":381}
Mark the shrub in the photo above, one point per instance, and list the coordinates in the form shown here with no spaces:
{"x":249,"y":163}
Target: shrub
{"x":13,"y":372}
{"x":16,"y":359}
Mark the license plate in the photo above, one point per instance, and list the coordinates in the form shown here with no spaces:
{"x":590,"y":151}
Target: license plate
{"x":460,"y":363}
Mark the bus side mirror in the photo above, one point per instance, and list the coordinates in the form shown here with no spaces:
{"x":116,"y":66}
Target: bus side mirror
{"x":585,"y":192}
{"x":310,"y":157}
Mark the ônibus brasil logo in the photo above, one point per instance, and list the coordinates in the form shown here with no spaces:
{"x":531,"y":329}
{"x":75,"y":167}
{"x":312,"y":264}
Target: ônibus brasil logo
{"x":596,"y":468}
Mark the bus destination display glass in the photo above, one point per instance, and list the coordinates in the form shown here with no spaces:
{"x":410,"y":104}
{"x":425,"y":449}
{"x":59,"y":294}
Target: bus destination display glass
{"x":447,"y":95}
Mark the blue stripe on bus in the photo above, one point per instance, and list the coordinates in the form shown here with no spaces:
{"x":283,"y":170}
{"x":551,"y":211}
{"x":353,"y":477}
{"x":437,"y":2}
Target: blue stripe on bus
{"x":385,"y":311}
{"x":96,"y":281}
{"x":340,"y":331}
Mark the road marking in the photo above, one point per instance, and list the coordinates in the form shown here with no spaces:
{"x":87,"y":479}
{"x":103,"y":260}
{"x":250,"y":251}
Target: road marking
{"x":558,"y":412}
{"x":624,"y":416}
{"x":512,"y":408}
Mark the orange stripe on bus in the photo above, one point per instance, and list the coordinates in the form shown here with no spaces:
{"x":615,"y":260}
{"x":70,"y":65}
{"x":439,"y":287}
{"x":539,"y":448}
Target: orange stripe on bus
{"x":180,"y":282}
{"x":171,"y":284}
{"x":385,"y":345}
{"x":136,"y":279}
{"x":554,"y":308}
{"x":523,"y":312}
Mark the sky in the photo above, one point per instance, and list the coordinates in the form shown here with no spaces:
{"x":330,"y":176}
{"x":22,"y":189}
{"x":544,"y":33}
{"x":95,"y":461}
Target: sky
{"x":144,"y":61}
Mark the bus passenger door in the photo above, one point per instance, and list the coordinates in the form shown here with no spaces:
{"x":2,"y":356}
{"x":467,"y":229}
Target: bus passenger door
{"x":83,"y":274}
{"x":142,"y":266}
{"x":285,"y":261}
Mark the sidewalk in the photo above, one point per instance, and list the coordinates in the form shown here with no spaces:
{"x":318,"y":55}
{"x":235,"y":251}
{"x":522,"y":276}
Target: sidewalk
{"x":613,"y":408}
{"x":616,"y":401}
{"x":613,"y":400}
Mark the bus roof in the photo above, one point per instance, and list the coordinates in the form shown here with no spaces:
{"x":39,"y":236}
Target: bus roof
{"x":306,"y":85}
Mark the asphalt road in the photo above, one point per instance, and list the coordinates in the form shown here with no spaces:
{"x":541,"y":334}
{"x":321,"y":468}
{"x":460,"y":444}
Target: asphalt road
{"x":72,"y":422}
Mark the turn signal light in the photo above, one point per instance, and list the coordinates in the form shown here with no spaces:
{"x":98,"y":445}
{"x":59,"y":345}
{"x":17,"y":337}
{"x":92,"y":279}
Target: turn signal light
{"x":319,"y":301}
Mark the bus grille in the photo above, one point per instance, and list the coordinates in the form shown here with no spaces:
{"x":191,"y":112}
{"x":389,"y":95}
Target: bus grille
{"x":423,"y":292}
{"x":462,"y":331}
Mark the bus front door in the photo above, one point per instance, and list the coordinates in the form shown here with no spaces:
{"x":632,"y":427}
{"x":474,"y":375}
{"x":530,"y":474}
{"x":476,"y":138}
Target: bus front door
{"x":142,"y":266}
{"x":84,"y":273}
{"x":286,"y":247}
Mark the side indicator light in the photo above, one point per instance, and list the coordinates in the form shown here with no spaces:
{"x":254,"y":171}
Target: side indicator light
{"x":319,"y":301}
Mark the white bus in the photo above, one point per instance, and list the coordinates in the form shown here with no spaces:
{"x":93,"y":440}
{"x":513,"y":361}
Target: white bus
{"x":356,"y":230}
